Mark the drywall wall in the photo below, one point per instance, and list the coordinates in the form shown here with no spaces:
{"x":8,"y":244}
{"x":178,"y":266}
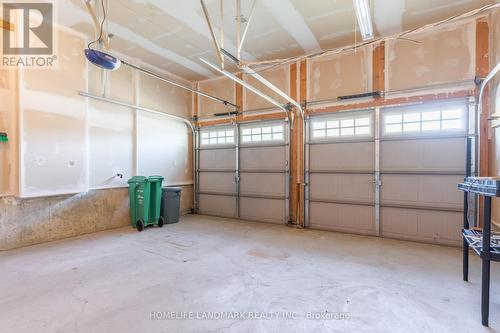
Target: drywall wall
{"x":164,"y":144}
{"x":434,"y":57}
{"x":336,"y":75}
{"x":8,"y":124}
{"x":111,"y":144}
{"x":53,"y":129}
{"x":9,"y":96}
{"x":221,"y":87}
{"x":159,"y":95}
{"x":111,"y":128}
{"x":118,"y":85}
{"x":70,"y":143}
{"x":279,"y":76}
{"x":164,"y":148}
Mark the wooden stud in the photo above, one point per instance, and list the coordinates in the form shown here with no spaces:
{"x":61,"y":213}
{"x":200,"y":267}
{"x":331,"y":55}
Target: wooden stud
{"x":293,"y":81}
{"x":239,"y":96}
{"x":195,"y":106}
{"x":303,"y":82}
{"x":379,"y":67}
{"x":297,"y":155}
{"x":482,"y":70}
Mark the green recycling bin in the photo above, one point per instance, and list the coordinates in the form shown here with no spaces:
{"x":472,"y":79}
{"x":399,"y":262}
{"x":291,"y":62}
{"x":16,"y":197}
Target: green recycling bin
{"x":145,"y":201}
{"x":155,"y":183}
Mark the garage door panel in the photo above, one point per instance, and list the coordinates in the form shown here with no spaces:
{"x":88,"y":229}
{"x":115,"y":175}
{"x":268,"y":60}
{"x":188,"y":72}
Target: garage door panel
{"x":439,"y":191}
{"x":422,"y":225}
{"x":445,"y":154}
{"x":265,"y":210}
{"x":217,"y":205}
{"x":262,"y":177}
{"x":353,"y":156}
{"x":262,"y":158}
{"x":341,"y":189}
{"x":342,"y":217}
{"x":218,"y":159}
{"x":347,"y":187}
{"x":440,"y":225}
{"x":217,"y":182}
{"x":262,"y":184}
{"x":420,"y":158}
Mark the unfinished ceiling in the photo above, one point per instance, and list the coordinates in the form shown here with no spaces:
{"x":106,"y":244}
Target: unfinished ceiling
{"x":171,"y":35}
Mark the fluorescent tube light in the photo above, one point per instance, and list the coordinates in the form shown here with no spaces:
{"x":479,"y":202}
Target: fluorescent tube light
{"x":364,"y":18}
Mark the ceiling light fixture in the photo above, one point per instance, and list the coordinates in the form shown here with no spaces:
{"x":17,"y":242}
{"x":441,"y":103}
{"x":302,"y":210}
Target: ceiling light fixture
{"x":364,"y":18}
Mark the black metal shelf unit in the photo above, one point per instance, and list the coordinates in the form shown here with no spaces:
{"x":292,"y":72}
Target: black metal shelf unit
{"x":486,"y":245}
{"x":474,"y":239}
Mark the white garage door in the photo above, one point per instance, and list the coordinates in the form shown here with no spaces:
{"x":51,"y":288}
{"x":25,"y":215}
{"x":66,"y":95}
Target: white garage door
{"x":264,"y":172}
{"x":391,"y":172}
{"x":217,"y":171}
{"x":422,"y":159}
{"x":246,"y":176}
{"x":341,"y":168}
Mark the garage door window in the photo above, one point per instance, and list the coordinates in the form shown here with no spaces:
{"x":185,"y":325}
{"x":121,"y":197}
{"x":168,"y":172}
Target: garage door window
{"x":263,"y":134}
{"x":411,"y":121}
{"x":219,"y":137}
{"x":344,"y":127}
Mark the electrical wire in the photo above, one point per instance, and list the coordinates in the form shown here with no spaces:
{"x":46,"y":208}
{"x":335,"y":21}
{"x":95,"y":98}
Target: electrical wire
{"x":285,"y":61}
{"x":101,"y":27}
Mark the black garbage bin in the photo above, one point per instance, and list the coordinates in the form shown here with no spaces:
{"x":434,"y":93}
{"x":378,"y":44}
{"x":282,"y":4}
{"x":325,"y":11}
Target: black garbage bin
{"x":171,"y":204}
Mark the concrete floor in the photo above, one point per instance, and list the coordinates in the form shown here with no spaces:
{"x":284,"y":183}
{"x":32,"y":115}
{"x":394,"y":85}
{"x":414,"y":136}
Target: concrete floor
{"x":116,"y":281}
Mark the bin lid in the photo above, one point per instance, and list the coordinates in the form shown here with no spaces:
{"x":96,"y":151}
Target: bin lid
{"x":172,"y":189}
{"x":155,"y":178}
{"x":137,"y":179}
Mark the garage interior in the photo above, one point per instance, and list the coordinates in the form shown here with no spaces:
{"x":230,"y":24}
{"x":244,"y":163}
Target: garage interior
{"x":318,"y":147}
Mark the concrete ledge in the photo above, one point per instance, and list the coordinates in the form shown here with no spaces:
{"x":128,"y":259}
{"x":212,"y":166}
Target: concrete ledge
{"x":26,"y":222}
